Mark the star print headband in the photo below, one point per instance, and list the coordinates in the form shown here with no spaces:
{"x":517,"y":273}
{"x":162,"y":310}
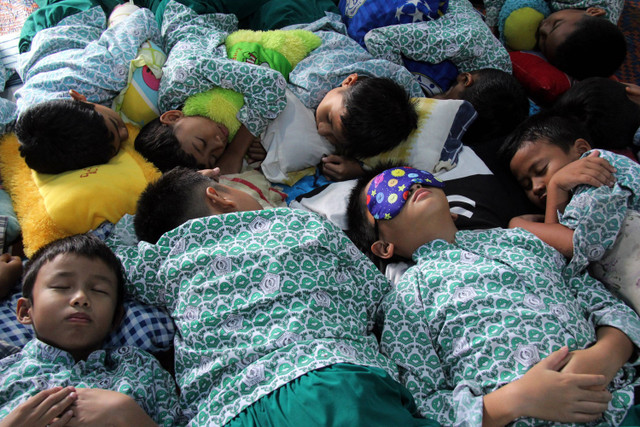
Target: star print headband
{"x":389,"y":190}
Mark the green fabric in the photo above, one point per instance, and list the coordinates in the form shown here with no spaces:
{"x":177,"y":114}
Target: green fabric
{"x":255,"y":53}
{"x":339,"y":395}
{"x":275,"y":14}
{"x":633,"y":417}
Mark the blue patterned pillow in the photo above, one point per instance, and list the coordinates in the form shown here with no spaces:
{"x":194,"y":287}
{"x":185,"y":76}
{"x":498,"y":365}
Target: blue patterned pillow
{"x":360,"y":16}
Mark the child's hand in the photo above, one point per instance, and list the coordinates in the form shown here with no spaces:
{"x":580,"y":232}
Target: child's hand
{"x":256,"y":152}
{"x":98,"y":407}
{"x":612,"y":349}
{"x":10,"y":272}
{"x":523,"y":220}
{"x":339,"y":168}
{"x":591,"y":170}
{"x":214,"y":173}
{"x":49,"y":407}
{"x":557,"y":396}
{"x":633,"y":92}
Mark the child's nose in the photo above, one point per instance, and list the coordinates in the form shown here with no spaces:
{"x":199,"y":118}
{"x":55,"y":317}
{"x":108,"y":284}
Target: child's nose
{"x":80,"y":299}
{"x":538,"y":186}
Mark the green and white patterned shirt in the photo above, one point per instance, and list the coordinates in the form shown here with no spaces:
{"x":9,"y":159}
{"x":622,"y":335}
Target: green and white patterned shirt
{"x":128,"y":370}
{"x":475,"y":315}
{"x":259,"y":299}
{"x":459,"y":35}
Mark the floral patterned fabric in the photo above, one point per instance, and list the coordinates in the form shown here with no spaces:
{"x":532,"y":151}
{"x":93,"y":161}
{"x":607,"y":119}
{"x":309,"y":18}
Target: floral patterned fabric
{"x":259,"y":299}
{"x":475,"y":315}
{"x":460,"y":35}
{"x":79,"y":53}
{"x":198,"y":61}
{"x":127,"y":370}
{"x":339,"y":56}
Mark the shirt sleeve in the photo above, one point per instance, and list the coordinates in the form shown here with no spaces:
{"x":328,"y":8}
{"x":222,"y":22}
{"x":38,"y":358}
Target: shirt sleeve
{"x":596,"y":214}
{"x":459,"y":36}
{"x":197,"y":61}
{"x":80,"y":54}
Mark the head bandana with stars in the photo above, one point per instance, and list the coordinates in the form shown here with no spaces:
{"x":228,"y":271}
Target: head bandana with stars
{"x":389,"y":190}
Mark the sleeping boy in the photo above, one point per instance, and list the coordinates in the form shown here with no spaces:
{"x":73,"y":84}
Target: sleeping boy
{"x":274,"y":310}
{"x":73,"y":290}
{"x":591,"y":199}
{"x":485,"y":315}
{"x":382,"y":113}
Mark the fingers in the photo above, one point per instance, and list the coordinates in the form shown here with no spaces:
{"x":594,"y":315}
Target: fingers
{"x":556,"y":360}
{"x":76,"y":96}
{"x":589,"y":380}
{"x":49,"y":404}
{"x":6,"y":257}
{"x":62,"y":420}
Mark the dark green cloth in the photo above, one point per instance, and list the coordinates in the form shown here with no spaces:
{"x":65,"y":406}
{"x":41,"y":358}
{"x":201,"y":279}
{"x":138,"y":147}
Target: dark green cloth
{"x":633,"y":417}
{"x":275,"y":14}
{"x":338,"y":395}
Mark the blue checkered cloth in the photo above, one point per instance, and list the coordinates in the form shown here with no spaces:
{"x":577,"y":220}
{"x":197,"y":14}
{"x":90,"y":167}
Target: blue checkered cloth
{"x":145,"y":326}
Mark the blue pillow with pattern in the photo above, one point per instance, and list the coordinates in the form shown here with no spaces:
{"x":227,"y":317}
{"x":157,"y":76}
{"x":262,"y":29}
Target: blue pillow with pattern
{"x":360,"y":16}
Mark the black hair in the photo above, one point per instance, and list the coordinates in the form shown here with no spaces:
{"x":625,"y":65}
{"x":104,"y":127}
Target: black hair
{"x":499,"y":100}
{"x":379,"y":115}
{"x":157,"y":143}
{"x":604,"y":108}
{"x":557,"y":130}
{"x":63,"y":134}
{"x":359,"y":230}
{"x":175,"y":198}
{"x":596,"y":48}
{"x":85,"y":245}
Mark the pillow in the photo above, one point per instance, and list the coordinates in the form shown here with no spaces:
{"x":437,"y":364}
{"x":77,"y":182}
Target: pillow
{"x":50,"y":207}
{"x":542,"y":81}
{"x":360,"y":16}
{"x":294,"y":148}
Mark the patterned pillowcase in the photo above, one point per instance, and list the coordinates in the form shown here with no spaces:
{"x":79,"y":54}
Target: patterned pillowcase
{"x":360,"y":16}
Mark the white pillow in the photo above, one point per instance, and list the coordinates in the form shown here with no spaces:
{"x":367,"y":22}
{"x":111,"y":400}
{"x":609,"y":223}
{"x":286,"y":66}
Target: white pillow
{"x":294,"y":147}
{"x":292,"y":142}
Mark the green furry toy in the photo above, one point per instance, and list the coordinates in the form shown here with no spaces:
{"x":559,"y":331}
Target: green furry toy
{"x":280,"y":50}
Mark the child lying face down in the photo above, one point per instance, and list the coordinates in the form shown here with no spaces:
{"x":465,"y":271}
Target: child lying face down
{"x":591,"y":199}
{"x":481,"y":324}
{"x":61,"y":135}
{"x":72,"y":296}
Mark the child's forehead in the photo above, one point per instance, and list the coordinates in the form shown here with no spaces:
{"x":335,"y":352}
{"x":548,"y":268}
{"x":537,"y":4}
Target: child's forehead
{"x":69,"y":263}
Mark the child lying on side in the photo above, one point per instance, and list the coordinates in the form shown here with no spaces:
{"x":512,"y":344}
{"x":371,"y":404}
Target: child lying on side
{"x":485,"y":327}
{"x":72,"y":296}
{"x":591,"y":199}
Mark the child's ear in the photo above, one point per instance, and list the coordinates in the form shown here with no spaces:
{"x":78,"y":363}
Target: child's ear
{"x":218,"y":202}
{"x":382,"y":249}
{"x":350,"y":80}
{"x":171,"y":116}
{"x":595,"y":11}
{"x":581,"y":146}
{"x":466,"y":79}
{"x":23,"y":311}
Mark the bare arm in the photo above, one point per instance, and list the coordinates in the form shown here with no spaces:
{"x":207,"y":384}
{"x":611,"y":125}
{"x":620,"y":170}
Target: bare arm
{"x":556,"y":235}
{"x":231,"y":159}
{"x":547,"y":394}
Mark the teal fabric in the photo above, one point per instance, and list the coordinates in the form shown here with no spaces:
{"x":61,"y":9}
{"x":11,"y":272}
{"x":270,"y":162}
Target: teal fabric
{"x":275,"y":14}
{"x":338,"y":395}
{"x":633,"y":417}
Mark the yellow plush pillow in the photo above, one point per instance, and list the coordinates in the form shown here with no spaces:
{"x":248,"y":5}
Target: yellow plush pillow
{"x":50,"y":207}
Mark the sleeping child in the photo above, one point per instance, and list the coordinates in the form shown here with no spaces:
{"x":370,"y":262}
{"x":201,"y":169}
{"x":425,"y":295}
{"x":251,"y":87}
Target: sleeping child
{"x":73,"y":291}
{"x":486,"y":314}
{"x":274,"y":309}
{"x":336,"y":65}
{"x":590,"y":198}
